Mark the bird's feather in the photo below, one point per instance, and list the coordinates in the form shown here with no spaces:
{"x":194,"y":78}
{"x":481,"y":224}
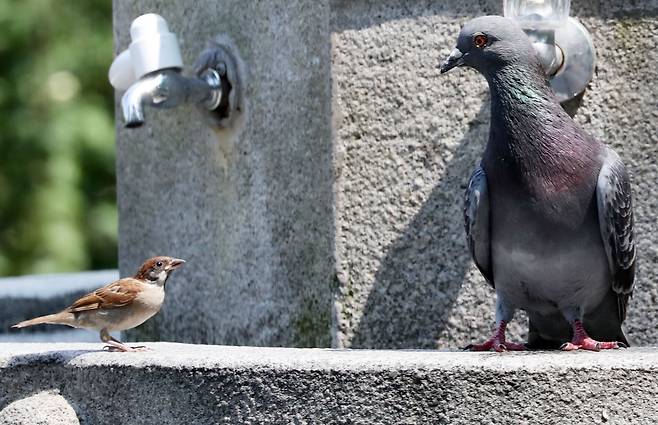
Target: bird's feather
{"x":116,"y":294}
{"x":615,"y":208}
{"x":476,"y":222}
{"x":61,"y":318}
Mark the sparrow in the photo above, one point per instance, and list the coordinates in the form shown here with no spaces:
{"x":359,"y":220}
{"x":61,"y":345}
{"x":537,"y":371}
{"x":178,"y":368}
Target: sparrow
{"x":121,"y":305}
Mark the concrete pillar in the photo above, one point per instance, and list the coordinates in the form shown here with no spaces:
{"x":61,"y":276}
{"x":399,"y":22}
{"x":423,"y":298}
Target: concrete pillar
{"x":334,"y":216}
{"x":251,"y":211}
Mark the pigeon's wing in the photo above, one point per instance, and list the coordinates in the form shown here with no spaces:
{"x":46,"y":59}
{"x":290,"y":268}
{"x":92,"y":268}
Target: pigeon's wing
{"x":613,"y":194}
{"x":476,"y":223}
{"x":116,"y":294}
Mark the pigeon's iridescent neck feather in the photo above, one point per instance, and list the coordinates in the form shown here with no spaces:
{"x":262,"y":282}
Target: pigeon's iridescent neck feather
{"x":538,"y":143}
{"x":520,"y":91}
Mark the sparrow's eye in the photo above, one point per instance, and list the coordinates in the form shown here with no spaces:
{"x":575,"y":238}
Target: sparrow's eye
{"x":480,"y":40}
{"x":159,"y":264}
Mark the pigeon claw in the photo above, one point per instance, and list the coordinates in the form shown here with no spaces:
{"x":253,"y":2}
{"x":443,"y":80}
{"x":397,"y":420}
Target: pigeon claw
{"x":497,"y":342}
{"x":499,"y":346}
{"x":591,"y":345}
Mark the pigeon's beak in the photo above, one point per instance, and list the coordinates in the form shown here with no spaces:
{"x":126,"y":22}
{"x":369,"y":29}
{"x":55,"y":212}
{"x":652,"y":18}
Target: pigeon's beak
{"x":456,"y":58}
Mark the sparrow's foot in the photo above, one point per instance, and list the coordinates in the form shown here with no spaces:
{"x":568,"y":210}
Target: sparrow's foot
{"x":497,"y":342}
{"x":582,"y":341}
{"x":141,"y":348}
{"x":119,"y":347}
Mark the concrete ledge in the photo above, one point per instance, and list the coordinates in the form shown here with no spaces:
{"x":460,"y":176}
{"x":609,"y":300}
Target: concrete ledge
{"x":197,"y":384}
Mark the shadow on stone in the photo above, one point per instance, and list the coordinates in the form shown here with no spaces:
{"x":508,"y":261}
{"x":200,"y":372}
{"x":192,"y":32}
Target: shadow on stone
{"x":49,"y":357}
{"x":40,"y":401}
{"x":417,"y":284}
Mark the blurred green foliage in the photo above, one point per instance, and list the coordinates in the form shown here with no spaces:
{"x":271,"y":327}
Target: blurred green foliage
{"x":57,"y":175}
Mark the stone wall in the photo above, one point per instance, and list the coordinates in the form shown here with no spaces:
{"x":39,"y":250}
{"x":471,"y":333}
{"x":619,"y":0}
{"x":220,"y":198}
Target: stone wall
{"x":334,"y":217}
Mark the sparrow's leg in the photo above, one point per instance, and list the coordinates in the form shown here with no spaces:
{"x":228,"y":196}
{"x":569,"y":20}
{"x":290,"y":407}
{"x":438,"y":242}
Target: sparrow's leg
{"x":114,"y":344}
{"x":582,"y":341}
{"x":504,"y":314}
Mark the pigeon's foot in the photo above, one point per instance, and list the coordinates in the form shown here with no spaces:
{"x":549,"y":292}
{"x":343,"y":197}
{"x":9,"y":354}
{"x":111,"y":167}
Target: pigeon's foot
{"x":497,"y":342}
{"x":592,"y":345}
{"x":497,"y":345}
{"x":582,"y":341}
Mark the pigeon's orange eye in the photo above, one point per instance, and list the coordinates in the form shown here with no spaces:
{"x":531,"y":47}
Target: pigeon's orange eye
{"x":480,"y":41}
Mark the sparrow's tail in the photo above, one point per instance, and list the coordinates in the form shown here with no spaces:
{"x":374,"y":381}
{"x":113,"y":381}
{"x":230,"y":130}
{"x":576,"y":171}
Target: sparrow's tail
{"x":61,"y":318}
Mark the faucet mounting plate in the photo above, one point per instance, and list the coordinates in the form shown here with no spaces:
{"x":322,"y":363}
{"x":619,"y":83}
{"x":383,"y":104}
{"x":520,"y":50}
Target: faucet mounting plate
{"x":218,"y":66}
{"x":212,"y":77}
{"x":579,"y":62}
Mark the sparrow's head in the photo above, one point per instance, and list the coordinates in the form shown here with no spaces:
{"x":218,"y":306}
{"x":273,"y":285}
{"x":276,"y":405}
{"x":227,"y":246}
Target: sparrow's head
{"x":489,"y":43}
{"x":156,"y":270}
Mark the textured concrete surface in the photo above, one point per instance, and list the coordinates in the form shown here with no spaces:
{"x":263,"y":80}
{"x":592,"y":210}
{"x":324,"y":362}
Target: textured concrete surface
{"x":407,"y":139}
{"x":188,"y":384}
{"x":25,"y":297}
{"x":251,"y":211}
{"x":339,"y":203}
{"x":45,"y":408}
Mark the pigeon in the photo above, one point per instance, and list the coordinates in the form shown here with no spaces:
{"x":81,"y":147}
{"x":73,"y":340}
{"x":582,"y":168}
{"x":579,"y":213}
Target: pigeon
{"x":548,"y":212}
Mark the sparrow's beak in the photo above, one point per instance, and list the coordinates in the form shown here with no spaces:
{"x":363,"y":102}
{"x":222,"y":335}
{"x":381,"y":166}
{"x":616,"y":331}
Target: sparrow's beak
{"x":174,"y":264}
{"x":456,"y":58}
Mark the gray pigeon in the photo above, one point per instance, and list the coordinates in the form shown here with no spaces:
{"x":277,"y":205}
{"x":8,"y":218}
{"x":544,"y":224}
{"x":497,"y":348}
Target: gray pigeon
{"x":548,"y":212}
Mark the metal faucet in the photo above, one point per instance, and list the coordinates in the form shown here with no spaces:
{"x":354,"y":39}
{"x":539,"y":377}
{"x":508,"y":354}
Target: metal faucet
{"x":149,"y":71}
{"x":166,"y":89}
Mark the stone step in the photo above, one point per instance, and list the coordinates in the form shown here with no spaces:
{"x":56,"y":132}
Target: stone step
{"x":201,"y":384}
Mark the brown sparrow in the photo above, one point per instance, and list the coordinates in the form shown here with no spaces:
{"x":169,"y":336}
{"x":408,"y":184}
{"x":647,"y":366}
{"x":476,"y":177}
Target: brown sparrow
{"x":123,"y":304}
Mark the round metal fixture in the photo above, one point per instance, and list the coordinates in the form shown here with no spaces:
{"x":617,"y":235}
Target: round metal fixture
{"x":579,"y":61}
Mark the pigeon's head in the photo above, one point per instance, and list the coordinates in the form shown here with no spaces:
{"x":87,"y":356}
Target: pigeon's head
{"x":489,"y":43}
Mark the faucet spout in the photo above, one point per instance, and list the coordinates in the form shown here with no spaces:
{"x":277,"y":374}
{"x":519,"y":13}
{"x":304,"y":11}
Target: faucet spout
{"x":167,"y":89}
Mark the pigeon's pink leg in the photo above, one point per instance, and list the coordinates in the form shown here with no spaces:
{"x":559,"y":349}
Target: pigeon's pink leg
{"x":497,"y":342}
{"x":582,"y":341}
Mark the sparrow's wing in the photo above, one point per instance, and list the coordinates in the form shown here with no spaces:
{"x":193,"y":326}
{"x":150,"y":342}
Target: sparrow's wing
{"x":476,"y":223}
{"x":116,"y":294}
{"x":613,"y":192}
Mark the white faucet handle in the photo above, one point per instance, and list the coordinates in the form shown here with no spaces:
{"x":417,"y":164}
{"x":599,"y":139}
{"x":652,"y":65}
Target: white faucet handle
{"x":121,"y":72}
{"x":147,"y":25}
{"x":153,"y":48}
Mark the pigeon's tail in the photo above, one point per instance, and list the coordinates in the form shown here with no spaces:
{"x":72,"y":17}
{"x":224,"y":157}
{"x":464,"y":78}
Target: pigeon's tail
{"x":622,"y":338}
{"x":556,"y":331}
{"x":62,"y":318}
